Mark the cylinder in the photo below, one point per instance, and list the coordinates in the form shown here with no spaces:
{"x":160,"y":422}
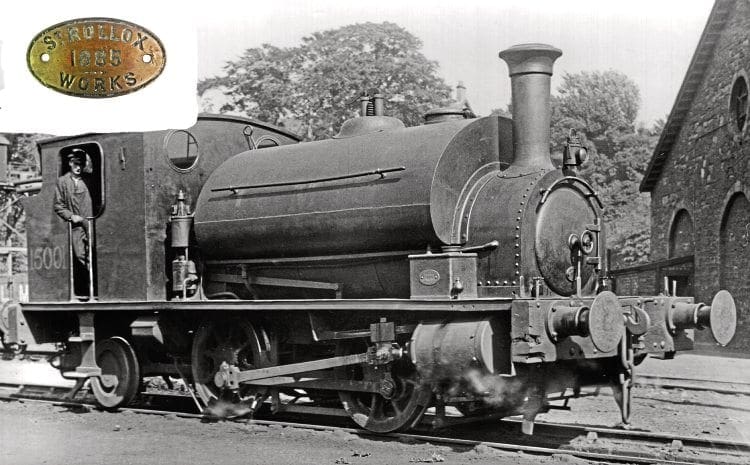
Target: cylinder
{"x":451,"y":350}
{"x":530,"y":70}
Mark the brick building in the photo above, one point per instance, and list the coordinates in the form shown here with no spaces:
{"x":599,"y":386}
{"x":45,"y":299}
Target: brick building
{"x":699,"y":177}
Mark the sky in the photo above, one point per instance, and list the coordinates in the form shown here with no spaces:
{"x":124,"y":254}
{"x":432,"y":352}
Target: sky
{"x":652,"y":42}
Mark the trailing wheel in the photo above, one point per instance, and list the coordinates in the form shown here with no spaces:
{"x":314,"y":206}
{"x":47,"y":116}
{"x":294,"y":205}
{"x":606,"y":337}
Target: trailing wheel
{"x":121,"y":378}
{"x":401,"y":403}
{"x":234,"y":341}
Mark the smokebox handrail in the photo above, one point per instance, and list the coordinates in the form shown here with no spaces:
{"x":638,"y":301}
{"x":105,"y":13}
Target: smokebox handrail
{"x":379,"y":172}
{"x":571,"y":180}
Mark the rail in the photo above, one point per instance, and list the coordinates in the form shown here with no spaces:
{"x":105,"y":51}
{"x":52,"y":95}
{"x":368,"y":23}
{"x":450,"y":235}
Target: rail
{"x":554,"y":439}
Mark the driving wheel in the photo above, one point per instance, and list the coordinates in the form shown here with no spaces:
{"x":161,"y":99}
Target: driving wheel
{"x":120,"y":380}
{"x":236,"y":342}
{"x":402,"y":402}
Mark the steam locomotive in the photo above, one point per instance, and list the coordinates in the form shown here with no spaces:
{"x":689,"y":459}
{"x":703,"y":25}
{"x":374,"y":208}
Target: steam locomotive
{"x":390,"y":269}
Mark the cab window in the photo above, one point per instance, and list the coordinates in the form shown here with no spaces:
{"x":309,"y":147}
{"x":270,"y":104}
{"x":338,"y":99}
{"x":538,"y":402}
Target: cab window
{"x":181,"y":149}
{"x":92,"y":173}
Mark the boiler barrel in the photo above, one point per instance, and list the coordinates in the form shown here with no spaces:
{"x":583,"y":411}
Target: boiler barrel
{"x":329,"y":198}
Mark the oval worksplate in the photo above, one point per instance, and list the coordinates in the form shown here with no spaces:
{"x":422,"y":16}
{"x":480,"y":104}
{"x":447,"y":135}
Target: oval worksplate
{"x":96,"y":57}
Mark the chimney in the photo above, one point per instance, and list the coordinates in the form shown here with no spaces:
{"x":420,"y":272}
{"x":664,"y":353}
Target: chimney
{"x":461,"y":93}
{"x":530,"y":70}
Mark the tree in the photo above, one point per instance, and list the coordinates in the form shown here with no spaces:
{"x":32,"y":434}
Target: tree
{"x":23,"y":158}
{"x":506,"y":112}
{"x":318,"y":82}
{"x":600,"y":104}
{"x":617,"y":177}
{"x":602,"y":107}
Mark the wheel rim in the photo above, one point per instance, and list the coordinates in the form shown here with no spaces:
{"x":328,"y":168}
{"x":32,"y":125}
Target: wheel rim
{"x":233,"y":341}
{"x":401,"y":410}
{"x":121,"y":373}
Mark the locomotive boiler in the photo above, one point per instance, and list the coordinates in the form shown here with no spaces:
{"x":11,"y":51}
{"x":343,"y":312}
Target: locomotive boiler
{"x":379,"y":192}
{"x":390,"y":269}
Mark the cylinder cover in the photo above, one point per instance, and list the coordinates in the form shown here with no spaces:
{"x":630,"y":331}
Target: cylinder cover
{"x":442,"y":351}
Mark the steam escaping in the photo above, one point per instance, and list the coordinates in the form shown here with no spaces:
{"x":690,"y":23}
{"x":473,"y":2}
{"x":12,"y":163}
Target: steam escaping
{"x":218,"y":410}
{"x":497,"y":391}
{"x":511,"y":396}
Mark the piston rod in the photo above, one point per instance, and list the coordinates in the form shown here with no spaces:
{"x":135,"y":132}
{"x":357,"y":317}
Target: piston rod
{"x":232,"y":377}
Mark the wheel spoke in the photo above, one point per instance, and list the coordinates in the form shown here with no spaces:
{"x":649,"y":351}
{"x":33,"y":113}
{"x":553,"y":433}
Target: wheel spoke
{"x":378,"y":413}
{"x":396,"y":408}
{"x":233,"y":341}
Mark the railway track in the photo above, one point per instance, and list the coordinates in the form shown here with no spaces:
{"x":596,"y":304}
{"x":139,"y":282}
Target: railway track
{"x":586,"y":442}
{"x":640,"y":379}
{"x":691,"y":384}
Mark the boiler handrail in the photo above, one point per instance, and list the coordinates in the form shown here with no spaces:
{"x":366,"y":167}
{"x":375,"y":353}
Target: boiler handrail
{"x":379,"y":172}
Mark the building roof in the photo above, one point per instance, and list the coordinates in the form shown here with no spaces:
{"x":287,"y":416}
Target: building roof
{"x":693,"y":79}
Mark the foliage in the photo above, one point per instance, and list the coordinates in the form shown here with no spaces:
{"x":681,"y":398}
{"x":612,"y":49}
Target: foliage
{"x":601,"y":104}
{"x":602,"y":107}
{"x":617,"y":176}
{"x":506,"y":112}
{"x":22,"y":158}
{"x":23,"y":150}
{"x":318,"y":82}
